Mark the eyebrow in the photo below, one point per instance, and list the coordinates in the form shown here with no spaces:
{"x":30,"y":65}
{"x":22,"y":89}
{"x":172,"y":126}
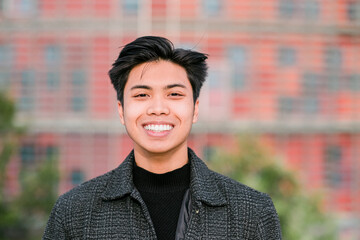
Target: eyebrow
{"x":149,"y":88}
{"x":175,"y":85}
{"x":141,"y":87}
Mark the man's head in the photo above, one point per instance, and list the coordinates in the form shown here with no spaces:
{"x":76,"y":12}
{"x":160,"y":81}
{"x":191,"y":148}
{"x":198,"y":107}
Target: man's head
{"x":149,"y":49}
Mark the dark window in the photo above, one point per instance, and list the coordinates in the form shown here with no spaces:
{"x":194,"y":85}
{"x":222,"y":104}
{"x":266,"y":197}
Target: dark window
{"x":287,"y":8}
{"x":311,"y":105}
{"x":311,"y":83}
{"x":214,"y":79}
{"x":238,"y":80}
{"x":332,"y":156}
{"x":353,"y":11}
{"x":208,"y":152}
{"x":238,"y":62}
{"x":52,"y":80}
{"x":353,"y":82}
{"x":286,"y":56}
{"x":51,"y":152}
{"x":77,"y":103}
{"x":333,"y":81}
{"x":52,"y":54}
{"x":27,"y":154}
{"x":20,"y":8}
{"x":333,"y":58}
{"x":238,"y":56}
{"x":26,"y":103}
{"x":131,"y":6}
{"x":77,"y":177}
{"x":6,"y":57}
{"x":311,"y":9}
{"x":78,"y":81}
{"x":286,"y":105}
{"x":78,"y":78}
{"x":212,"y":7}
{"x":26,"y":100}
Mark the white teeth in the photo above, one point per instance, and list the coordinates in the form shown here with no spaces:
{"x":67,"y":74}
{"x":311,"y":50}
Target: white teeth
{"x":158,"y":128}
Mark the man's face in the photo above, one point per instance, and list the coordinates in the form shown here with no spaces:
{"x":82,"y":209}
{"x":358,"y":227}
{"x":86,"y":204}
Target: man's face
{"x":158,"y":108}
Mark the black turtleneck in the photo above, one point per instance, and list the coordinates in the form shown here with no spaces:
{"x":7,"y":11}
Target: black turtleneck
{"x":163,"y":195}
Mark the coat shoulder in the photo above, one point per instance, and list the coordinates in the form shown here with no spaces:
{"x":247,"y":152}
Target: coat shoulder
{"x":87,"y":190}
{"x":239,"y":192}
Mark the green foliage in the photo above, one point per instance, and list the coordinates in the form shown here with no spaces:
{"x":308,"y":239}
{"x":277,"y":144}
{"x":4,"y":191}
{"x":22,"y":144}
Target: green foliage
{"x":300,"y":212}
{"x":23,"y":216}
{"x":7,"y":113}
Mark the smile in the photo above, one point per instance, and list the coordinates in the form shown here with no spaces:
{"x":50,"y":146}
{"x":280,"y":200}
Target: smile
{"x":158,"y":128}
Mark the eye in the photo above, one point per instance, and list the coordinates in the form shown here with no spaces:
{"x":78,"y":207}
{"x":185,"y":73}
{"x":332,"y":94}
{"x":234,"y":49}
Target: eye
{"x":175,"y":94}
{"x":141,"y":95}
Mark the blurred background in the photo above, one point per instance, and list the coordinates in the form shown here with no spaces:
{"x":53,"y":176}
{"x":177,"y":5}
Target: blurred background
{"x":282,"y":99}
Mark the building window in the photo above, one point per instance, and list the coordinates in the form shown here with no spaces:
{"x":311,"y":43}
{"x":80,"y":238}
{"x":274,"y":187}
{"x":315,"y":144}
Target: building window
{"x":333,"y":58}
{"x":20,"y":8}
{"x":286,"y":56}
{"x":77,"y":177}
{"x":238,"y":56}
{"x":238,"y":80}
{"x":332,"y":156}
{"x":311,"y":83}
{"x":78,"y":78}
{"x":78,"y":81}
{"x":353,"y":82}
{"x":353,"y":11}
{"x":311,"y":105}
{"x":287,"y":8}
{"x":286,"y":105}
{"x":214,"y":79}
{"x":238,"y":61}
{"x":130,"y":6}
{"x":51,"y":152}
{"x":311,"y":9}
{"x":212,"y":7}
{"x":52,"y":80}
{"x":209,"y":152}
{"x":6,"y":57}
{"x":26,"y":100}
{"x":333,"y":81}
{"x":52,"y":54}
{"x":27,"y":154}
{"x":77,"y":104}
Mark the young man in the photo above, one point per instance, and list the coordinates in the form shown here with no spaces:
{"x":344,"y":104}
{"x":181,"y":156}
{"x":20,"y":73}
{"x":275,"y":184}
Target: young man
{"x":162,"y":190}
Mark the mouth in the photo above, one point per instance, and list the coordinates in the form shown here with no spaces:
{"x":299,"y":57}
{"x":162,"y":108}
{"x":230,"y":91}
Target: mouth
{"x":158,"y":127}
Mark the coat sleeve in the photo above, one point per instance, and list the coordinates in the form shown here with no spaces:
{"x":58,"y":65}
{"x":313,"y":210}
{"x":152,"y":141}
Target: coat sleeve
{"x":268,"y":224}
{"x":55,"y":226}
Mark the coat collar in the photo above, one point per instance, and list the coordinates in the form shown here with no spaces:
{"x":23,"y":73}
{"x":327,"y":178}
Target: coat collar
{"x":203,"y":185}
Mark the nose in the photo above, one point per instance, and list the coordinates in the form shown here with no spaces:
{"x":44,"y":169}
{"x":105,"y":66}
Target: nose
{"x":158,"y":106}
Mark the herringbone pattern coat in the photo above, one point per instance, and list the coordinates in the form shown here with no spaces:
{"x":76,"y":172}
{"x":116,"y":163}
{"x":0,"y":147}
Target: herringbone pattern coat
{"x":110,"y":207}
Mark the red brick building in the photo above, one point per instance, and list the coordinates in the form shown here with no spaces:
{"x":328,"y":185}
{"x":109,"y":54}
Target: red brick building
{"x":288,"y":70}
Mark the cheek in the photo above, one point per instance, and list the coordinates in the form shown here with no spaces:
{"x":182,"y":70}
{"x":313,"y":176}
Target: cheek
{"x":185,"y":112}
{"x":131,"y":113}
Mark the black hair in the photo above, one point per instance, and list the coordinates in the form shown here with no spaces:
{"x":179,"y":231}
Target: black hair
{"x":151,"y":48}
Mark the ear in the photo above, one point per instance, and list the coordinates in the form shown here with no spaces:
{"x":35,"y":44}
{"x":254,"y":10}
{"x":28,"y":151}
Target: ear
{"x":196,"y":111}
{"x":121,"y":112}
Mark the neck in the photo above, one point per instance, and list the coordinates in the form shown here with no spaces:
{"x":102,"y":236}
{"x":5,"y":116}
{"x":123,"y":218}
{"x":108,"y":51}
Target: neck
{"x":161,"y":162}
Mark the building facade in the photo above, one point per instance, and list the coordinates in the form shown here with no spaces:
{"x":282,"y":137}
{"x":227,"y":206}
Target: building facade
{"x":287,"y":70}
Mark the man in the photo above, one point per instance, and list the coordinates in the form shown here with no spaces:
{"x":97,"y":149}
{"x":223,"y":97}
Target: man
{"x":162,"y":190}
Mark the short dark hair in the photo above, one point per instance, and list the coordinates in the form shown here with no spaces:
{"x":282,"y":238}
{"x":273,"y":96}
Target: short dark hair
{"x":151,"y":48}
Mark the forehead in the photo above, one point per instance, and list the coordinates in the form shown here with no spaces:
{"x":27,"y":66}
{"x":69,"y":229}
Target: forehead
{"x":157,"y":73}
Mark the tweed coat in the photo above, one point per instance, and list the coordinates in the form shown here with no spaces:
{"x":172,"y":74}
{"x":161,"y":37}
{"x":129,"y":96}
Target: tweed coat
{"x":110,"y":207}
